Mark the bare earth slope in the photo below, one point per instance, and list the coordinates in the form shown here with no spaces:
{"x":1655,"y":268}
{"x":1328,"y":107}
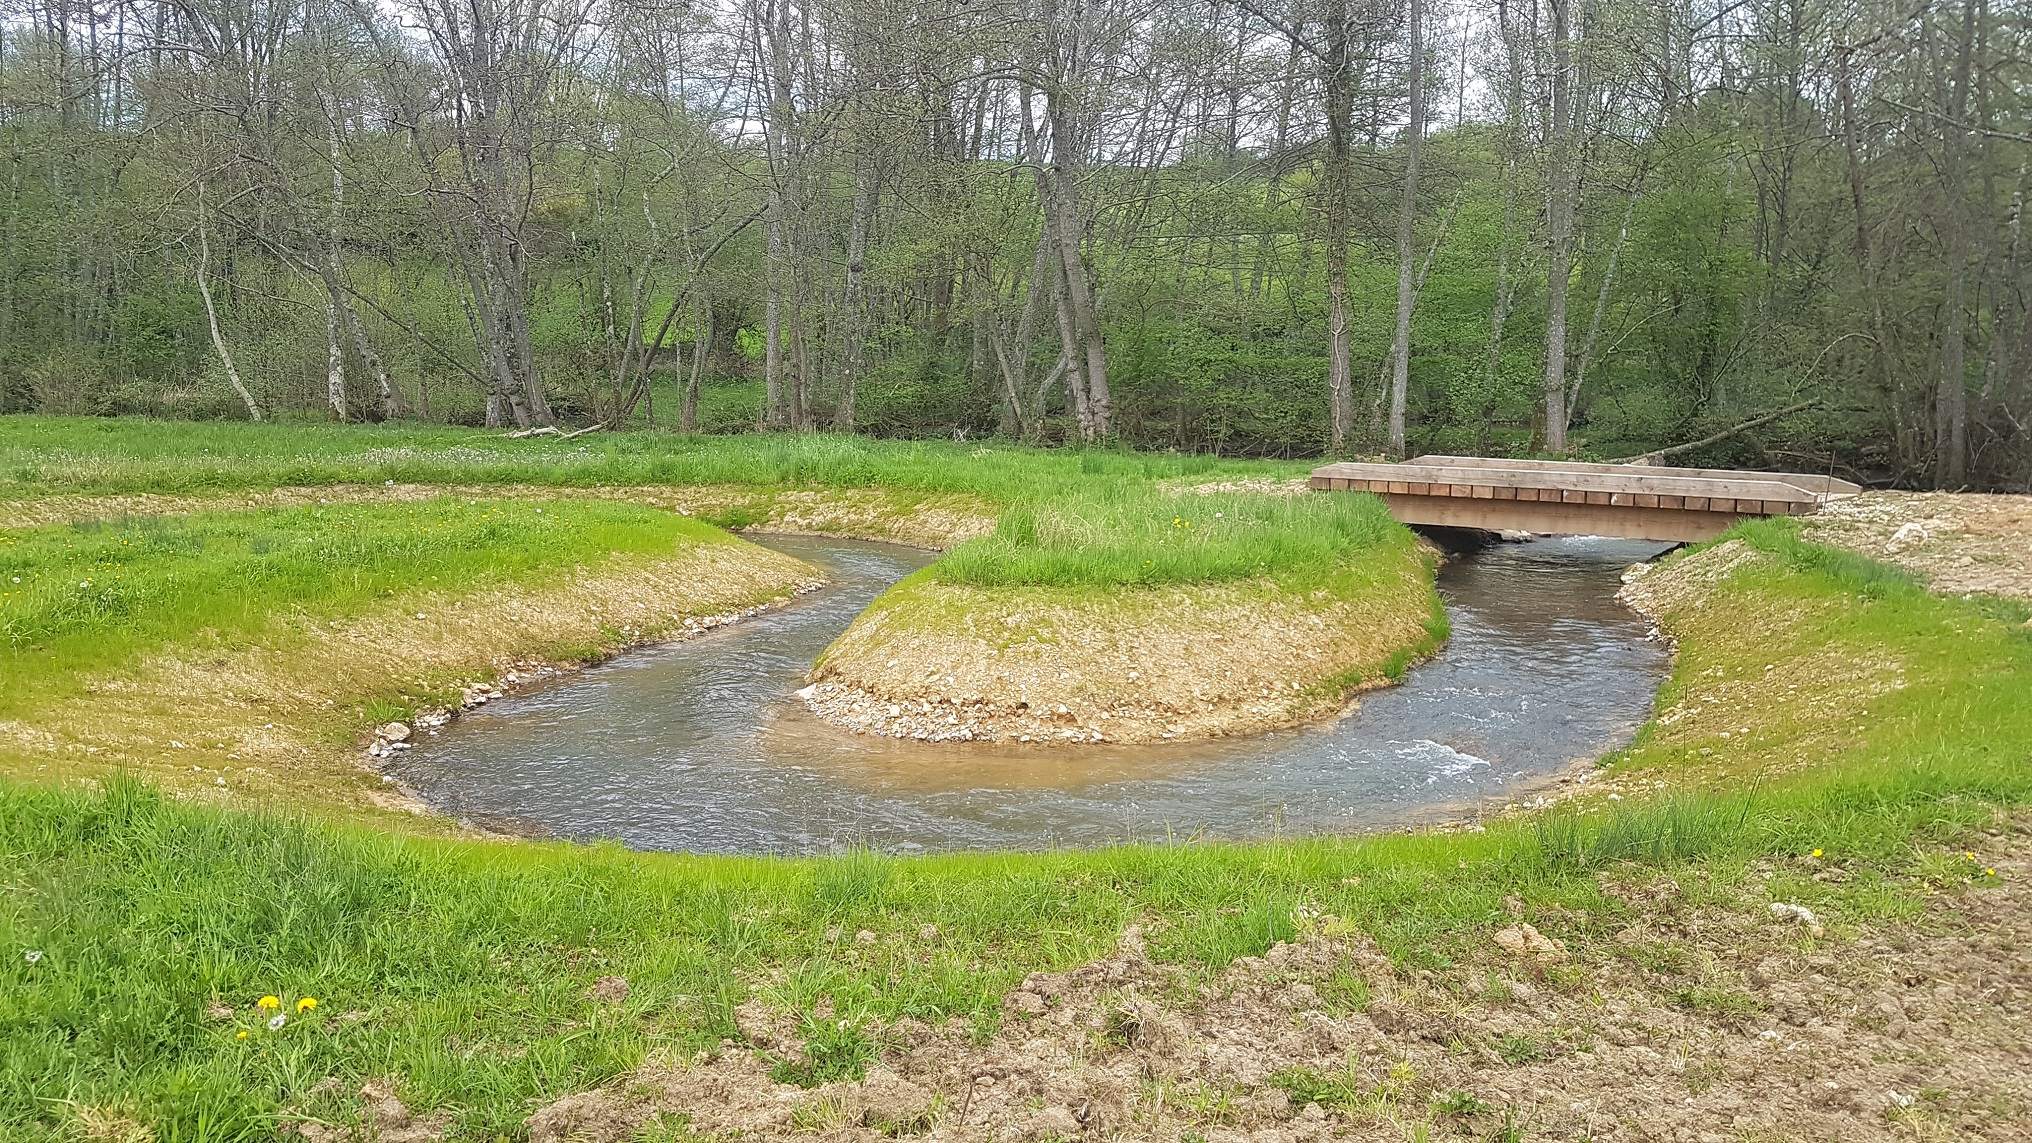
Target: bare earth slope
{"x":1708,"y":1018}
{"x":1958,"y":542}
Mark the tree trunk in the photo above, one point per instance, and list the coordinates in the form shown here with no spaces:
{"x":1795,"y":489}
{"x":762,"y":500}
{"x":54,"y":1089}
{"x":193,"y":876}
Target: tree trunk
{"x":212,"y":316}
{"x":1336,"y":192}
{"x":335,"y":354}
{"x":1950,"y":441}
{"x":1064,"y":220}
{"x":1559,"y":211}
{"x":1400,"y":349}
{"x":687,"y":417}
{"x":854,"y":305}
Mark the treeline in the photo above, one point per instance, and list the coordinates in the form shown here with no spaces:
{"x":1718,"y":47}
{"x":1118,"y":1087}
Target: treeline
{"x":1787,"y":232}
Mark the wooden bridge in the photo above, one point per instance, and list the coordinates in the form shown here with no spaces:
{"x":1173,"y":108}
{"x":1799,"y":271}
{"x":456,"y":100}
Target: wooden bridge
{"x":1640,"y":502}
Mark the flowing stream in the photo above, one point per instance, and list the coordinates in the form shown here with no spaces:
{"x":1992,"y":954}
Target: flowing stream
{"x":702,"y":745}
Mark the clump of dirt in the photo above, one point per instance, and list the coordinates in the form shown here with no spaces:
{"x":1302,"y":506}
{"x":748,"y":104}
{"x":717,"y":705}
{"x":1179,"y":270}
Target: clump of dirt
{"x":941,"y":662}
{"x":1707,"y":1015}
{"x":1958,"y":542}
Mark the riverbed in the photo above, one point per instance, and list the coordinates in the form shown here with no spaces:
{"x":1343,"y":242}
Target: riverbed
{"x":703,"y":745}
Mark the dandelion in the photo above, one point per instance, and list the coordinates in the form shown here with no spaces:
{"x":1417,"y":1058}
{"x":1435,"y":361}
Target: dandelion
{"x":1989,"y":873}
{"x":32,"y":956}
{"x":306,"y":1004}
{"x":268,"y":1002}
{"x":1968,"y":857}
{"x":241,"y":1035}
{"x":277,"y":1021}
{"x":1816,"y":853}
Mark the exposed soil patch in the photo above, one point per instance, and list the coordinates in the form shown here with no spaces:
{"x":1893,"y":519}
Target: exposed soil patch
{"x":1958,"y":542}
{"x":1700,"y":1013}
{"x":945,"y":662}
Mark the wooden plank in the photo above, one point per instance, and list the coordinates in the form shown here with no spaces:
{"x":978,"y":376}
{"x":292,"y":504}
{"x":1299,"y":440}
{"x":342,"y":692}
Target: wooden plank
{"x":1597,"y":497}
{"x":1586,"y":481}
{"x":1812,"y":482}
{"x":1646,"y":500}
{"x":1484,"y":492}
{"x":1505,"y":493}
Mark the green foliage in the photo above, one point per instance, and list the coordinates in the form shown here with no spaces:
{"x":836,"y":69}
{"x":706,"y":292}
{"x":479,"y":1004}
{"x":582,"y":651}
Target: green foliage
{"x":834,"y":1050}
{"x":1670,"y":828}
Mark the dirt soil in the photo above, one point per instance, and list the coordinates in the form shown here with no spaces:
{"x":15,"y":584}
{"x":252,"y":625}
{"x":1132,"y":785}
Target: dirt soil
{"x":1959,"y":542}
{"x":1710,"y":1016}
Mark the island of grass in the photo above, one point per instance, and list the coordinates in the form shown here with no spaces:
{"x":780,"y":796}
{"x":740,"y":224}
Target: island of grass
{"x":1132,"y":612}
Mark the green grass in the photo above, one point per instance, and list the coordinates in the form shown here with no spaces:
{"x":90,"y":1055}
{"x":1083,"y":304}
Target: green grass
{"x":463,"y":968}
{"x":1124,"y":533}
{"x":1101,"y":518}
{"x":46,"y":454}
{"x":92,"y":596}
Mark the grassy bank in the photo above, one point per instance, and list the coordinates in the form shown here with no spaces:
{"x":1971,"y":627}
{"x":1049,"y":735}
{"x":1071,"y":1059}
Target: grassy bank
{"x":1061,"y":517}
{"x":244,"y":652}
{"x":1287,"y":602}
{"x":467,"y":975}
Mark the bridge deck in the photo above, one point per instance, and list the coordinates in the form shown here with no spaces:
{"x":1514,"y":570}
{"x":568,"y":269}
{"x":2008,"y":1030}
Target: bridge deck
{"x":1636,"y":501}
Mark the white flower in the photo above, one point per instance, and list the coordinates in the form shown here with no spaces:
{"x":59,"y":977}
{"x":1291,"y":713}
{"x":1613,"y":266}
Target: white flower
{"x":32,"y":956}
{"x":277,"y":1021}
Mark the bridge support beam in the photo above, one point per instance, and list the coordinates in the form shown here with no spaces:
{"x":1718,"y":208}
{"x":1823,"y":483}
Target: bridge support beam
{"x":1552,"y":518}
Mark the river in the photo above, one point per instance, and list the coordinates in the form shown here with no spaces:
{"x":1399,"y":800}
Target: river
{"x":702,"y":746}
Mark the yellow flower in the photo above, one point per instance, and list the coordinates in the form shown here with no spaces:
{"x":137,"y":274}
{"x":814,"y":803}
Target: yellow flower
{"x":268,"y":1002}
{"x":1989,"y":873}
{"x":1816,"y":853}
{"x":1969,"y":856}
{"x":306,"y":1004}
{"x":242,"y":1035}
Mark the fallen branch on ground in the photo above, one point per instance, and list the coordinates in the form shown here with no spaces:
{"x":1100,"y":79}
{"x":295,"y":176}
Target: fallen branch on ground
{"x":1658,"y":455}
{"x":552,"y":431}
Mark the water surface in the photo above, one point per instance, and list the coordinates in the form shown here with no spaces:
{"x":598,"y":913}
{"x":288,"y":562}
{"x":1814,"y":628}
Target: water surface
{"x":703,"y":746}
